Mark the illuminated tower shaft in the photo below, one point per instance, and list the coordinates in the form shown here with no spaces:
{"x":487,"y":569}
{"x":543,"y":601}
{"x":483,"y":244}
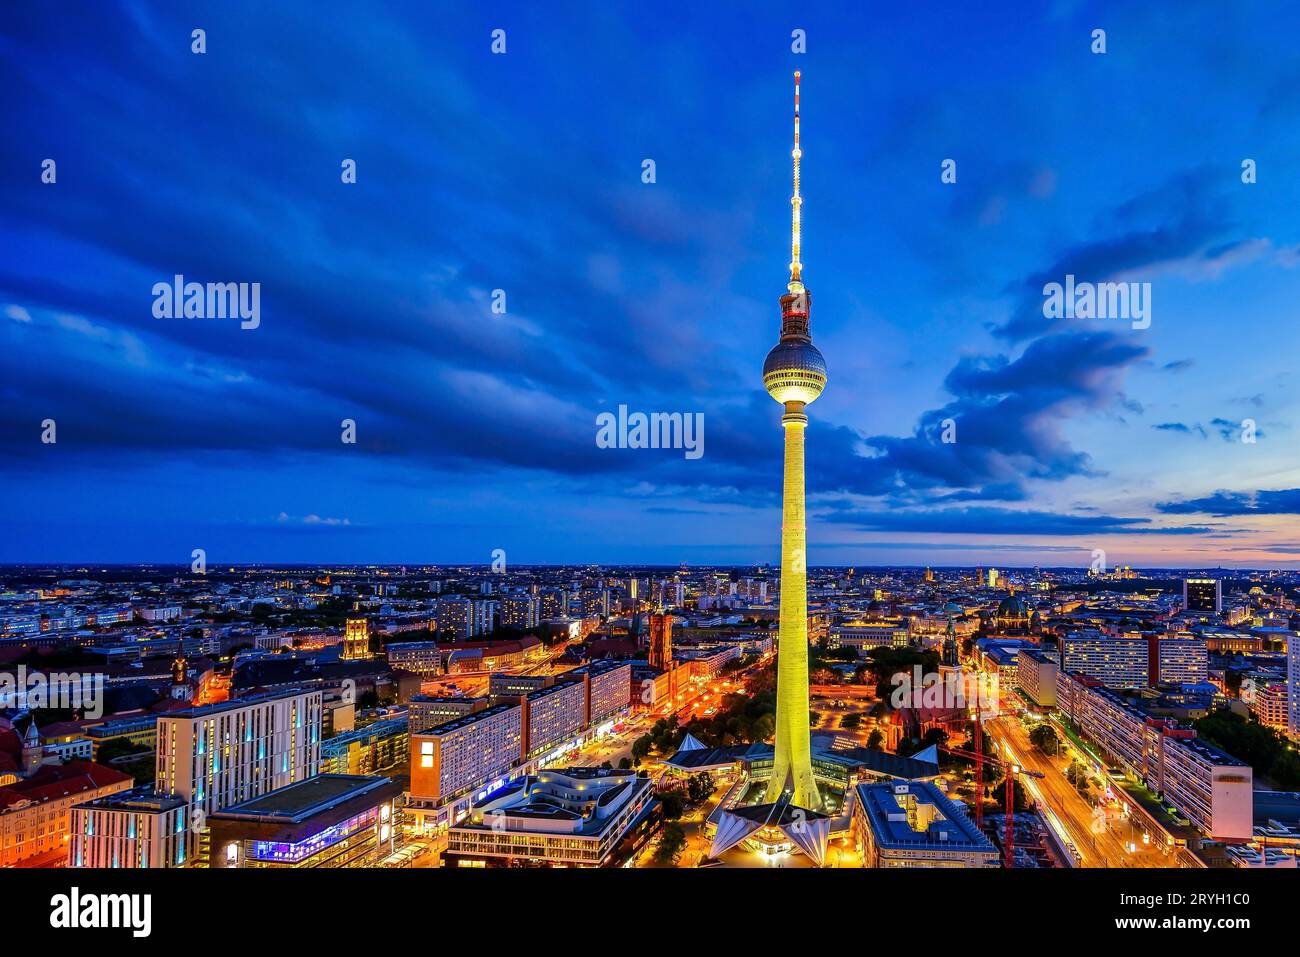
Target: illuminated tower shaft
{"x":793,"y":758}
{"x":794,"y":374}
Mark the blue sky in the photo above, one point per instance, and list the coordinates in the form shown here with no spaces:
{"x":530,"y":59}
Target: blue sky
{"x":522,"y":172}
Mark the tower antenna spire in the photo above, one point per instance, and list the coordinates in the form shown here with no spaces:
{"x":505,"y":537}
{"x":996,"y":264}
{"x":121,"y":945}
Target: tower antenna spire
{"x":796,"y":201}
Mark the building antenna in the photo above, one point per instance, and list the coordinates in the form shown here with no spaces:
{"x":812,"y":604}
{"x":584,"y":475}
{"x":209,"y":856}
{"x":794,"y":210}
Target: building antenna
{"x":796,"y":201}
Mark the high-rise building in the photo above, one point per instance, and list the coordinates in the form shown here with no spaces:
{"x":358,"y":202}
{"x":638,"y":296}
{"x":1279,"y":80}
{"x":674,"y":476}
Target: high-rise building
{"x":554,"y":603}
{"x":356,"y":640}
{"x":1178,"y":660}
{"x":794,"y":374}
{"x":661,"y":640}
{"x":1203,"y":594}
{"x":521,"y":611}
{"x":421,"y":657}
{"x":1211,"y":787}
{"x":460,"y":618}
{"x":459,"y":755}
{"x":1036,"y":675}
{"x":1267,"y":700}
{"x":1293,"y":688}
{"x":609,"y":689}
{"x":1114,"y":660}
{"x":425,"y":711}
{"x":552,"y":716}
{"x":208,"y":758}
{"x":1135,"y":660}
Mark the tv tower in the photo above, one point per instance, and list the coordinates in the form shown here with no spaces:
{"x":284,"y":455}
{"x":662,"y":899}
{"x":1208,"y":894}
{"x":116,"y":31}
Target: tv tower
{"x":794,"y":374}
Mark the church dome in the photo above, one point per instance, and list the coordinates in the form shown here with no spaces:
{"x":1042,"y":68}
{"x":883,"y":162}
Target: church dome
{"x":1013,"y":606}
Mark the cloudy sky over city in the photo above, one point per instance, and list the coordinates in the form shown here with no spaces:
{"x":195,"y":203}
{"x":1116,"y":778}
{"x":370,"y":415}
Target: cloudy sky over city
{"x":523,"y":172}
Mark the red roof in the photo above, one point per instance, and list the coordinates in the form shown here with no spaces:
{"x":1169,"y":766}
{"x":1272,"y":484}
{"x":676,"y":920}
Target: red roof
{"x":54,"y":781}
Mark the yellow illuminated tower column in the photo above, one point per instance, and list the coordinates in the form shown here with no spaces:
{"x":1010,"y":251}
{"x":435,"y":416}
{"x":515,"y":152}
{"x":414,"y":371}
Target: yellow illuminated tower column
{"x":794,"y":374}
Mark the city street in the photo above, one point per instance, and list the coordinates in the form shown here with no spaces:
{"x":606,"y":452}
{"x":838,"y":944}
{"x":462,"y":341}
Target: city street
{"x":1100,"y":844}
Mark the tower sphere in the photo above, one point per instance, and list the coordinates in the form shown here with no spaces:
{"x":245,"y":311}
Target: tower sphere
{"x":794,"y":371}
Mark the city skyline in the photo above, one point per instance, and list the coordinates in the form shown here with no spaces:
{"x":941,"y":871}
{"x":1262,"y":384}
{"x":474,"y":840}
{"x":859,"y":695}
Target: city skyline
{"x":419,"y":469}
{"x":476,"y":431}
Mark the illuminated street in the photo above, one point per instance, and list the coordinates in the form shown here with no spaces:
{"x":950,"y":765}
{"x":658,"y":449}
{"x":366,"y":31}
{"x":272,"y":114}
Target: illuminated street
{"x":1101,"y":842}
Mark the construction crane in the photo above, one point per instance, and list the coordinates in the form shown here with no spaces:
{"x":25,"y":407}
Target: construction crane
{"x":980,"y":758}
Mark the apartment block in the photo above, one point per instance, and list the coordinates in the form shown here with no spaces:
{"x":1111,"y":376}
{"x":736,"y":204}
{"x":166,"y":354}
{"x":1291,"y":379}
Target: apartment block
{"x":1036,"y":675}
{"x":463,"y":754}
{"x":552,"y":716}
{"x":1210,"y":787}
{"x":208,"y":758}
{"x":521,"y":611}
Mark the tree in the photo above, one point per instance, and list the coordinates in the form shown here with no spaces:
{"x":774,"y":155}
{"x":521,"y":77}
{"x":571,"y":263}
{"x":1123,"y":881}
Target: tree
{"x":875,"y":739}
{"x":1077,"y":775}
{"x":699,"y":787}
{"x":1045,"y":739}
{"x":1260,"y":747}
{"x":1020,"y":799}
{"x":641,"y":747}
{"x":672,"y":841}
{"x":118,"y":748}
{"x":851,"y":722}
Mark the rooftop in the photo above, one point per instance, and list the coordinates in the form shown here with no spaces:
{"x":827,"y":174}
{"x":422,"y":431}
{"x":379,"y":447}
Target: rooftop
{"x":53,"y":781}
{"x":310,"y":797}
{"x":456,"y":724}
{"x":918,"y":814}
{"x":142,"y":799}
{"x":233,"y":704}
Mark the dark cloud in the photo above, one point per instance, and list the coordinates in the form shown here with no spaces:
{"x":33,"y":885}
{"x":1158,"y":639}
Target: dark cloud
{"x":1225,"y":503}
{"x":472,"y":178}
{"x":999,"y":521}
{"x":1182,"y":428}
{"x":1180,"y":223}
{"x":1007,"y":417}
